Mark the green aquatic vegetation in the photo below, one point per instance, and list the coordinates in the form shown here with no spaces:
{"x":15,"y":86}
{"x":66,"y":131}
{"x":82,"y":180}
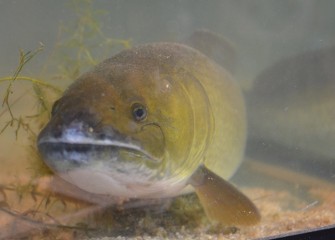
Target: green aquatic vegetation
{"x":20,"y":122}
{"x":83,"y":43}
{"x":28,"y":123}
{"x":24,"y":59}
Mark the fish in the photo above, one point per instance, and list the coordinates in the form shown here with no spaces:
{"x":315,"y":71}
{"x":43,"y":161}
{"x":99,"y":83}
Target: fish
{"x":291,"y":104}
{"x":155,"y":121}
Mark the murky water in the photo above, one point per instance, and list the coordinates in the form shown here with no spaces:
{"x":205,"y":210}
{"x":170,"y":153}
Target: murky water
{"x":284,"y":63}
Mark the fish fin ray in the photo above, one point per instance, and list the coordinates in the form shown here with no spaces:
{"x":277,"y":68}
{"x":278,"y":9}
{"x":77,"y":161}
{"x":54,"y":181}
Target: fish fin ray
{"x":223,"y":202}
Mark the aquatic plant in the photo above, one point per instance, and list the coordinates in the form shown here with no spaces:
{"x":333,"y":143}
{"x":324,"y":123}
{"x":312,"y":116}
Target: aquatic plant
{"x":81,"y":44}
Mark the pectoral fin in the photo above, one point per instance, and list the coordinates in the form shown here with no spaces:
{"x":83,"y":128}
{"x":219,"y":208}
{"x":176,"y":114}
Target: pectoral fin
{"x":222,"y":201}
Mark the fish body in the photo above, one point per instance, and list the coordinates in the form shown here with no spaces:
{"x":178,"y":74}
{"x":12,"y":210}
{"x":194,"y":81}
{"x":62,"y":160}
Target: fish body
{"x":153,"y":121}
{"x":292,"y":103}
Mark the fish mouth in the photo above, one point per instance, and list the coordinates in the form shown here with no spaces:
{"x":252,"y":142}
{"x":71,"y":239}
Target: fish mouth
{"x":63,"y":156}
{"x":107,"y":167}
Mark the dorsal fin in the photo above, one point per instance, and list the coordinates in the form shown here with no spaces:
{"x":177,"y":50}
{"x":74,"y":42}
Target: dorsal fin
{"x":215,"y":47}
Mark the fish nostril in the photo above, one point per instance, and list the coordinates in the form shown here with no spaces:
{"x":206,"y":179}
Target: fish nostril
{"x":57,"y":132}
{"x":102,"y":136}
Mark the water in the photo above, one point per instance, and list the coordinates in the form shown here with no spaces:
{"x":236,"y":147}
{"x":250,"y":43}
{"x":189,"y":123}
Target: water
{"x":284,"y":64}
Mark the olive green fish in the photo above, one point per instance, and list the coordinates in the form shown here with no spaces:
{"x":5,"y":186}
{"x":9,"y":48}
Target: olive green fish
{"x":154,"y":121}
{"x":298,"y":94}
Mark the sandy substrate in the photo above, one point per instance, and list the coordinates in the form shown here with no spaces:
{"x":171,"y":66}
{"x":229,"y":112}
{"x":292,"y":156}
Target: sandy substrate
{"x":287,"y":202}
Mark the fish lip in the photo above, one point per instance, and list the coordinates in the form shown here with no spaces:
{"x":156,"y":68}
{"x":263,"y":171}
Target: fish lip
{"x":87,"y":145}
{"x":89,"y":141}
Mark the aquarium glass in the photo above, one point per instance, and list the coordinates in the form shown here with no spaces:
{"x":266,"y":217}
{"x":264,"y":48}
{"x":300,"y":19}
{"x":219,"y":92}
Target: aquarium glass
{"x":281,"y":54}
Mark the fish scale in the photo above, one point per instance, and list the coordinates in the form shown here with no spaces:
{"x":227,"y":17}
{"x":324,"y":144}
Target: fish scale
{"x":190,"y":138}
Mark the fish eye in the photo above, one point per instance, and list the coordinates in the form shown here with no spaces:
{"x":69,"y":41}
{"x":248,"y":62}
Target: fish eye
{"x":139,"y":112}
{"x":55,"y":107}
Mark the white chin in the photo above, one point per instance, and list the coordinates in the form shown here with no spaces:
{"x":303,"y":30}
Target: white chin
{"x":123,"y":185}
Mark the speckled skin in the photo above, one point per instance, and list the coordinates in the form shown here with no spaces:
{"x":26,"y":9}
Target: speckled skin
{"x":195,"y":115}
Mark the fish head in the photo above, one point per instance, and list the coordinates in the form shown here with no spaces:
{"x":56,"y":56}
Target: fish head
{"x":117,"y":130}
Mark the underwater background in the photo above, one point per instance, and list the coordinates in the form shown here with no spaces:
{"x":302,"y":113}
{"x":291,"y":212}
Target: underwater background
{"x":285,"y":61}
